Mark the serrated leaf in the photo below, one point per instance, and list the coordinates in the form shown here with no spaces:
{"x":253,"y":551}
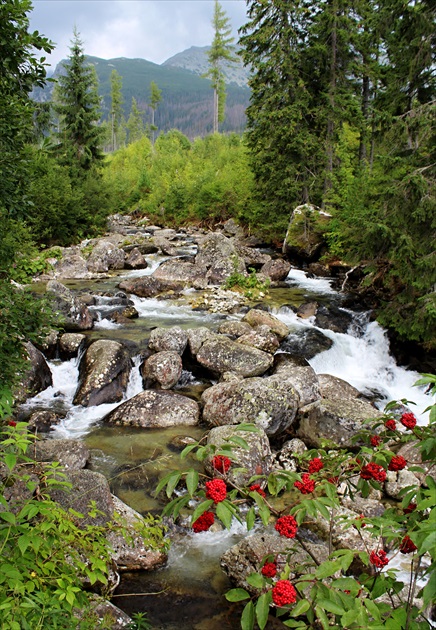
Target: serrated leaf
{"x":10,"y":460}
{"x":330,"y":606}
{"x":172,"y":483}
{"x":192,"y":481}
{"x":224,"y":514}
{"x":328,"y":568}
{"x":236,"y":595}
{"x":205,"y":505}
{"x":300,"y":608}
{"x":250,"y":518}
{"x":262,"y":609}
{"x":235,"y":439}
{"x":256,"y":580}
{"x":247,"y":618}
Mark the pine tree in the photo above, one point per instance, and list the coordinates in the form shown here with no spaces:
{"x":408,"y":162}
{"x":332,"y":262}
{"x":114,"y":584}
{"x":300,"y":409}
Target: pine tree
{"x":221,"y":50}
{"x":155,"y":99}
{"x":116,"y":111}
{"x":135,"y":123}
{"x":80,"y":136}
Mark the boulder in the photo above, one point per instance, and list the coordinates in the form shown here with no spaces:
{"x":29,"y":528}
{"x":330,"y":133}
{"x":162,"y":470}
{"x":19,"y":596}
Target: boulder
{"x":253,"y":258}
{"x":334,"y":388}
{"x":307,"y":343}
{"x":333,"y":318}
{"x":149,"y":286}
{"x":271,"y":403}
{"x":276,"y":270}
{"x":155,"y":409}
{"x":75,"y":314}
{"x":70,"y":344}
{"x":256,"y":460}
{"x":37,"y":376}
{"x":197,"y":336}
{"x":285,"y":457}
{"x":168,"y":339}
{"x":307,"y":310}
{"x":304,"y":238}
{"x":42,"y":421}
{"x":105,"y":256}
{"x":217,"y":258}
{"x":297,"y":373}
{"x":71,"y":266}
{"x":261,"y":338}
{"x":103,"y":374}
{"x":71,"y":454}
{"x":220,"y":354}
{"x":396,"y":482}
{"x":234,"y":329}
{"x":164,"y":368}
{"x":256,"y":317}
{"x":135,"y":260}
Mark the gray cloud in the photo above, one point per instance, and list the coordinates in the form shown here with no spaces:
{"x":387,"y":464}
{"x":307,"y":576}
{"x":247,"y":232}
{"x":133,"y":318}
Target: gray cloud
{"x":149,"y":29}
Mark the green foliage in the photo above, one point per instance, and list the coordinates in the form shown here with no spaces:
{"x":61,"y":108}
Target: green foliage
{"x":250,"y":285}
{"x":330,"y":593}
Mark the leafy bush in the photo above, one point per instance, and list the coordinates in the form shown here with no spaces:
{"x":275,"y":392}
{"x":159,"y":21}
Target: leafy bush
{"x":325,"y":594}
{"x":251,"y":285}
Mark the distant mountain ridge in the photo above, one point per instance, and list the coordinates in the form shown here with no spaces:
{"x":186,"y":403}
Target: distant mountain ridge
{"x":195,"y":60}
{"x":187,"y":98}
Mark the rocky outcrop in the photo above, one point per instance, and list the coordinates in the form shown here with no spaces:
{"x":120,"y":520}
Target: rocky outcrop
{"x":168,"y":339}
{"x":304,"y":238}
{"x":218,"y":258}
{"x":75,"y":315}
{"x":163,"y":368}
{"x":37,"y":376}
{"x":220,"y":354}
{"x":104,"y":373}
{"x":71,"y":454}
{"x":155,"y":409}
{"x":105,"y":256}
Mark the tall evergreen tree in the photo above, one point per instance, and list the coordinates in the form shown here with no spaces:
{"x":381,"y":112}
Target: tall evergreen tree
{"x":155,"y":99}
{"x":221,"y":50}
{"x":116,"y":111}
{"x":80,"y":136}
{"x":135,"y":123}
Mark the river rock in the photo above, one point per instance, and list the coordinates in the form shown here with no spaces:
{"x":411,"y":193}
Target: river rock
{"x":71,"y":266}
{"x":256,"y":460}
{"x":335,"y":420}
{"x":37,"y":376}
{"x":334,"y":388}
{"x":276,"y":270}
{"x":234,"y":329}
{"x":285,"y":458}
{"x":71,"y":454}
{"x":398,"y":481}
{"x":164,"y":368}
{"x":333,"y":318}
{"x":218,"y":258}
{"x":182,"y":272}
{"x":198,"y":336}
{"x":307,"y":310}
{"x":261,"y":338}
{"x":104,"y":373}
{"x":307,"y":343}
{"x":220,"y":354}
{"x":87,"y":486}
{"x":134,"y":554}
{"x":107,"y":614}
{"x":135,"y":260}
{"x":256,"y":317}
{"x":297,"y":372}
{"x":155,"y":409}
{"x":42,"y":420}
{"x":253,"y":258}
{"x":149,"y":286}
{"x":231,"y":228}
{"x":75,"y":314}
{"x":270,"y":403}
{"x":164,"y":245}
{"x":248,"y":555}
{"x":70,"y":344}
{"x":412,"y":455}
{"x":174,"y":339}
{"x":304,"y":238}
{"x":105,"y":256}
{"x":49,"y":345}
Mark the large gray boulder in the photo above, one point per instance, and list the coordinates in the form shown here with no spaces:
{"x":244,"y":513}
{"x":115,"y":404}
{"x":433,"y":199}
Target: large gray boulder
{"x":71,"y":454}
{"x":256,"y":460}
{"x":217,"y":258}
{"x":37,"y":376}
{"x":261,"y":338}
{"x":149,"y":286}
{"x":164,"y":368}
{"x":155,"y":409}
{"x":75,"y":314}
{"x":166,"y":339}
{"x":299,"y":374}
{"x":182,"y":272}
{"x":271,"y":403}
{"x":276,"y":270}
{"x":72,"y":265}
{"x":135,"y":260}
{"x":105,"y":256}
{"x":256,"y":317}
{"x":103,"y":373}
{"x":220,"y":354}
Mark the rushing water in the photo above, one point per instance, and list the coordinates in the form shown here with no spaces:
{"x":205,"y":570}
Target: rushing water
{"x":190,"y":587}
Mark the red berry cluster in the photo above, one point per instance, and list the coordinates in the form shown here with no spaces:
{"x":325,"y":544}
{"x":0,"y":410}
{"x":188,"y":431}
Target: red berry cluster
{"x":315,"y":465}
{"x":373,"y":471}
{"x":375,"y":440}
{"x":286,"y":526}
{"x":397,"y":463}
{"x":410,"y":508}
{"x":391,"y":425}
{"x":378,"y":558}
{"x":284,"y":593}
{"x":408,"y":420}
{"x":407,"y":545}
{"x":216,"y":490}
{"x":256,"y":488}
{"x":221,"y":463}
{"x":203,"y":522}
{"x":306,"y":485}
{"x":269,"y":569}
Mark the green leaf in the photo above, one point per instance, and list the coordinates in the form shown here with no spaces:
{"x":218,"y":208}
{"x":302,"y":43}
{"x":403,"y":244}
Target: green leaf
{"x":328,"y":568}
{"x":192,"y":481}
{"x":372,"y":609}
{"x":322,"y":617}
{"x":224,"y":514}
{"x":235,"y":439}
{"x":23,"y":542}
{"x":247,"y":618}
{"x":322,"y":509}
{"x":10,"y":460}
{"x":237,"y":595}
{"x":349,"y":617}
{"x":250,"y":518}
{"x":205,"y":505}
{"x":300,"y":608}
{"x":330,"y":606}
{"x":172,"y":483}
{"x":292,"y":623}
{"x":187,"y":450}
{"x":8,"y":517}
{"x":256,"y":580}
{"x":262,"y":609}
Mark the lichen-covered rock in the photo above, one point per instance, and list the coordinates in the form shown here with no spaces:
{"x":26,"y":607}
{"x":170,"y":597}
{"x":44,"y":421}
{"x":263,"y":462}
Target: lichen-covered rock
{"x":182,"y":272}
{"x":71,"y":454}
{"x":269,"y":402}
{"x":217,"y":258}
{"x":261,"y":338}
{"x":306,"y":343}
{"x":256,"y":317}
{"x":297,"y":372}
{"x":166,"y":339}
{"x":149,"y":286}
{"x":253,"y":258}
{"x":135,"y":260}
{"x":105,"y":256}
{"x":398,"y":481}
{"x":220,"y":354}
{"x":276,"y":270}
{"x":285,"y":458}
{"x":304,"y":238}
{"x":196,"y":338}
{"x":42,"y":420}
{"x":70,"y":344}
{"x":155,"y":409}
{"x":75,"y":314}
{"x":134,"y":554}
{"x":37,"y":376}
{"x":103,"y":374}
{"x":334,"y":388}
{"x":164,"y":368}
{"x":256,"y":460}
{"x":234,"y":329}
{"x":71,"y":266}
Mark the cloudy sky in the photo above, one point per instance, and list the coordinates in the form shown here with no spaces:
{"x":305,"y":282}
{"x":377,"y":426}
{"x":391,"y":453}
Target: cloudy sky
{"x":150,"y":29}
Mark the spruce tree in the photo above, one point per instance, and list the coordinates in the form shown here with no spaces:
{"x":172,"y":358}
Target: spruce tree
{"x":221,"y":50}
{"x":78,"y":107}
{"x":116,"y":111}
{"x":135,"y":123}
